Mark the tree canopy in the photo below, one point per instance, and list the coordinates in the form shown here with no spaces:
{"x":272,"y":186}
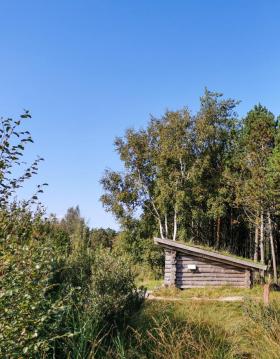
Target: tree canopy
{"x":208,"y":177}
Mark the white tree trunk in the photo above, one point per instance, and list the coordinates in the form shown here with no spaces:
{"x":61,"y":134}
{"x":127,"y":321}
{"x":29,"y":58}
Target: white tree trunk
{"x":166,"y":225}
{"x":160,"y":229}
{"x":273,"y":256}
{"x":175,"y":225}
{"x":256,"y":249}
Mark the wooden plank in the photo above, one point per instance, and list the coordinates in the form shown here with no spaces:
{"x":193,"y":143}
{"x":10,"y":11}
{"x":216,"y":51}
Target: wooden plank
{"x":207,"y":283}
{"x":186,"y":261}
{"x":218,"y":275}
{"x":220,"y":279}
{"x":205,"y":264}
{"x":210,"y":277}
{"x":210,"y":285}
{"x":202,"y":268}
{"x":208,"y":270}
{"x":205,"y":280}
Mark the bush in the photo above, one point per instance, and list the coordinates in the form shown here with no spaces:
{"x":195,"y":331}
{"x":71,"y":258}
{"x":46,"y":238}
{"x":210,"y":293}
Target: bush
{"x":30,"y":310}
{"x":142,"y":251}
{"x":113,"y":291}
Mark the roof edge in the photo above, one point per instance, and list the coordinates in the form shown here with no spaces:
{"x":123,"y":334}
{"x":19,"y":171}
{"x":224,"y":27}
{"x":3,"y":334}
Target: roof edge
{"x":219,"y":257}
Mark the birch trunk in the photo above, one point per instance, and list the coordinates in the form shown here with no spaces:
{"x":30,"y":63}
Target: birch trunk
{"x":175,"y":225}
{"x":160,"y":229}
{"x":166,"y":225}
{"x":273,"y":256}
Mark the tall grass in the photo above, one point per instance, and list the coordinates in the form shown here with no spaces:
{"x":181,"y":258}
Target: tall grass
{"x":266,"y":325}
{"x":158,"y":333}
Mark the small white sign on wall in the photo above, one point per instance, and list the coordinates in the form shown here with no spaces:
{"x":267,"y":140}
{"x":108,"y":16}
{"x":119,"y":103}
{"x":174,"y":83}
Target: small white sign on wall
{"x":192,"y":266}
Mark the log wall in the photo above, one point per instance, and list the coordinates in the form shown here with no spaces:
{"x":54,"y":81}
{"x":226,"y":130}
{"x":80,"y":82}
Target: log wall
{"x":207,"y":273}
{"x":170,"y":268}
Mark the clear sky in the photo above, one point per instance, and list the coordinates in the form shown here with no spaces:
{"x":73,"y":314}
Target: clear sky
{"x":87,"y":70}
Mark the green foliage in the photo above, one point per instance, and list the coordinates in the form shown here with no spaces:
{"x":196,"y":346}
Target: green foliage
{"x":209,"y":178}
{"x":13,"y":140}
{"x":102,"y":237}
{"x":114,"y":295}
{"x":252,"y":155}
{"x":56,"y":300}
{"x":141,"y":250}
{"x":174,"y":169}
{"x":160,"y":332}
{"x":30,"y":311}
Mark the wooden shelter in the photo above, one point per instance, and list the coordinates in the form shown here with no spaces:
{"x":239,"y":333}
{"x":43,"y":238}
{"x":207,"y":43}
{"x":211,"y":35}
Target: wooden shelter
{"x":193,"y":267}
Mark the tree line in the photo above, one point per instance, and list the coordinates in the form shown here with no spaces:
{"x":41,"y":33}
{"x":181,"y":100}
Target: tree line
{"x":210,"y":177}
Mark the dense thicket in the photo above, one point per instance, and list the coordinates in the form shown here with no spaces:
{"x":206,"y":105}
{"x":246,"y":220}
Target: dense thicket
{"x":208,"y":177}
{"x":63,"y":292}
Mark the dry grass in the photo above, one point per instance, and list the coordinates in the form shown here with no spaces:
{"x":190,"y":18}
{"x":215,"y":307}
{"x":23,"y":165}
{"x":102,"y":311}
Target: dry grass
{"x":188,"y":329}
{"x":201,"y":330}
{"x":165,"y":330}
{"x":211,"y":292}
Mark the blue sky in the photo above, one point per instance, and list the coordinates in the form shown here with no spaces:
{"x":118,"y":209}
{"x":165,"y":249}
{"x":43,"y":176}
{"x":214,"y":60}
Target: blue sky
{"x":88,"y":70}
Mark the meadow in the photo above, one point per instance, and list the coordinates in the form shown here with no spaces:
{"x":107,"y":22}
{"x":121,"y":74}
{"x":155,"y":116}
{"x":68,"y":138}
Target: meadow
{"x":71,"y":291}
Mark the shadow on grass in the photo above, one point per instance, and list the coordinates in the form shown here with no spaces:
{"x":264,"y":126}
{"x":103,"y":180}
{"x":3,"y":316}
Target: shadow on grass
{"x":158,"y":333}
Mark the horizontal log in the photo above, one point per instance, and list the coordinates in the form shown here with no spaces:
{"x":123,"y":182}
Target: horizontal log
{"x":208,"y":261}
{"x":221,"y":279}
{"x":209,"y":285}
{"x":206,"y":270}
{"x":209,"y":275}
{"x":202,"y":283}
{"x":170,"y":256}
{"x":215,"y":264}
{"x":208,"y":265}
{"x":186,"y":262}
{"x":209,"y":279}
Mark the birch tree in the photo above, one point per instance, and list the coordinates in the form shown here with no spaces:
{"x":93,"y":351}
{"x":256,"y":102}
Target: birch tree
{"x":214,"y":134}
{"x":157,"y":161}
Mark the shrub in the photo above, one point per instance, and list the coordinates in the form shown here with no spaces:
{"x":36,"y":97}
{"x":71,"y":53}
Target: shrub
{"x":113,"y":291}
{"x":30,"y":312}
{"x":108,"y":298}
{"x":142,"y":251}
